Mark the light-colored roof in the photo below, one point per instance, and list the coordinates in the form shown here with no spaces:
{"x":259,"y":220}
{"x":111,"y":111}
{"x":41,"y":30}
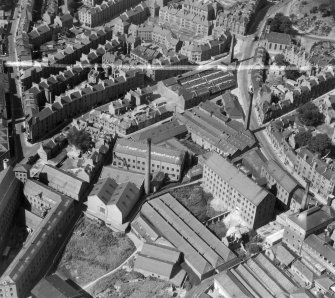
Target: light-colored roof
{"x":202,"y":249}
{"x":70,"y":184}
{"x":304,"y":270}
{"x":310,"y":219}
{"x":161,"y":252}
{"x":158,"y":153}
{"x":152,"y":265}
{"x":231,"y":286}
{"x":122,"y":176}
{"x":236,"y":179}
{"x":321,"y":247}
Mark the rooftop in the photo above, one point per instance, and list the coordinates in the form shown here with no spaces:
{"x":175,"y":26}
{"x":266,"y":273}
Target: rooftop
{"x":280,"y":38}
{"x":202,"y":249}
{"x":159,"y":153}
{"x":282,"y":177}
{"x":311,"y":218}
{"x":236,"y":179}
{"x":324,"y":249}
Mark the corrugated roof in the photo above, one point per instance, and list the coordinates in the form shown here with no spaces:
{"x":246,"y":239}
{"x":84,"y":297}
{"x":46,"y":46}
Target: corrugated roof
{"x":236,"y":179}
{"x":126,"y":146}
{"x":202,"y":249}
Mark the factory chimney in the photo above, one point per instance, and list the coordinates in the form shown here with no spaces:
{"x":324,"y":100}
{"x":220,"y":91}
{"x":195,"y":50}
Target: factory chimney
{"x":148,"y":168}
{"x":231,"y":53}
{"x":5,"y":163}
{"x":304,"y":202}
{"x":248,"y":111}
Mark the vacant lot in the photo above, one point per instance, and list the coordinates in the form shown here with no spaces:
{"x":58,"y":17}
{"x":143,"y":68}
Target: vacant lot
{"x":195,"y":200}
{"x":93,"y":251}
{"x":130,"y":284}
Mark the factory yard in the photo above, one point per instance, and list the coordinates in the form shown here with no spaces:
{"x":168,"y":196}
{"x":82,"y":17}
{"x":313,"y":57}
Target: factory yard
{"x":130,"y":284}
{"x":93,"y":251}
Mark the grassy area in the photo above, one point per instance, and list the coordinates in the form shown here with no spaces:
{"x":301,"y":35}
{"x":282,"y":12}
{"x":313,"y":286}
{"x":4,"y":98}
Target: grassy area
{"x":130,"y":284}
{"x":94,"y":250}
{"x":194,"y":199}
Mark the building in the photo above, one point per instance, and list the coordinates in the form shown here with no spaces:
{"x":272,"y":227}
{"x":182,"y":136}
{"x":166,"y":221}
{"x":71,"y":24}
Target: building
{"x":121,"y":176}
{"x":276,"y":43}
{"x":298,"y":57}
{"x":194,"y":87}
{"x":9,"y":200}
{"x":22,"y":172}
{"x":4,"y":143}
{"x":53,"y":286}
{"x":302,"y":224}
{"x":197,"y":51}
{"x":161,"y":133}
{"x":319,"y":251}
{"x":303,"y":272}
{"x":237,"y":18}
{"x":111,"y":202}
{"x":79,"y":100}
{"x":63,"y":182}
{"x":157,"y":260}
{"x":133,"y":156}
{"x":40,"y":34}
{"x":280,"y":182}
{"x":203,"y":252}
{"x":237,"y":191}
{"x":232,"y":107}
{"x":186,"y":20}
{"x":318,"y":172}
{"x":30,"y":263}
{"x":212,"y":130}
{"x":93,"y":16}
{"x":255,"y":277}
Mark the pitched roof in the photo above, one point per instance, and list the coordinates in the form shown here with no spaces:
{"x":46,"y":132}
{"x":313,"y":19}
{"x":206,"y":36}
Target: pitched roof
{"x":236,"y":179}
{"x":54,"y":287}
{"x":280,"y":38}
{"x":122,"y":176}
{"x":282,"y":178}
{"x":63,"y":180}
{"x":156,"y":266}
{"x":325,"y":250}
{"x":311,"y":218}
{"x":126,"y":146}
{"x":164,"y":253}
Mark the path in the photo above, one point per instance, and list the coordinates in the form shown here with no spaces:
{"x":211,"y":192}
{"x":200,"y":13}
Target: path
{"x":111,"y":272}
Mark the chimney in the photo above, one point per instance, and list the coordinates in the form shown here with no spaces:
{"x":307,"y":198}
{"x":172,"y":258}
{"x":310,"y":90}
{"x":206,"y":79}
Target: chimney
{"x":330,"y":199}
{"x":148,"y":168}
{"x":304,"y":202}
{"x":231,"y":53}
{"x":5,"y":163}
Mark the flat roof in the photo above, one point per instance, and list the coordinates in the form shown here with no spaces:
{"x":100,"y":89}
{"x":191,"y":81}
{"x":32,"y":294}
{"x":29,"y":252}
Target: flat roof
{"x":236,"y":179}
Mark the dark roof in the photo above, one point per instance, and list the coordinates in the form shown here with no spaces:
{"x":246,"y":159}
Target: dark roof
{"x":162,"y":132}
{"x":280,"y":38}
{"x":54,"y":287}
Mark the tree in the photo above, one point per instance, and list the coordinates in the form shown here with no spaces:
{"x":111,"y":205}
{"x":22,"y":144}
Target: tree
{"x":292,"y":73}
{"x":320,"y":144}
{"x":81,"y":139}
{"x":280,"y":23}
{"x":280,"y":59}
{"x":302,"y":138}
{"x":310,"y":115}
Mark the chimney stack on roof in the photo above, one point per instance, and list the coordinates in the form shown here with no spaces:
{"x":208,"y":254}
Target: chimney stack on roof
{"x":5,"y":163}
{"x":148,"y":168}
{"x":304,"y":202}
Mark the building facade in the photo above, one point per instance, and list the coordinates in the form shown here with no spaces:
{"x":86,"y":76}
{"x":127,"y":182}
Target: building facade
{"x":132,"y":155}
{"x":237,"y":191}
